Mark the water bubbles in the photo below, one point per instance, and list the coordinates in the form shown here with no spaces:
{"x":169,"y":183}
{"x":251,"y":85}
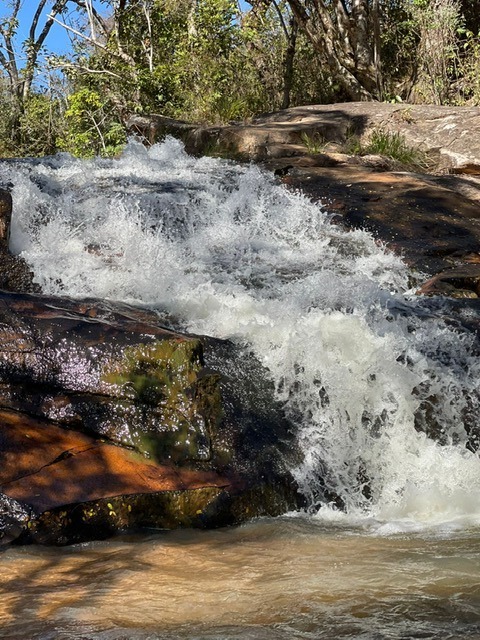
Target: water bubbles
{"x":381,"y":390}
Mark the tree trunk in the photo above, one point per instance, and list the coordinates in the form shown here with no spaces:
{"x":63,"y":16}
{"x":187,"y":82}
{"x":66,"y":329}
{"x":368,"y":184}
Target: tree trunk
{"x":288,"y":65}
{"x":341,"y":39}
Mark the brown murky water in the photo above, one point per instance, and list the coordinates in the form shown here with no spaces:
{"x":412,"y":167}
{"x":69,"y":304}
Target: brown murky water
{"x":281,"y":578}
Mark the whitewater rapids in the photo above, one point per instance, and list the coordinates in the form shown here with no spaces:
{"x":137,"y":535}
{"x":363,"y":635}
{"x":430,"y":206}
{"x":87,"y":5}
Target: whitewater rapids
{"x":358,"y":361}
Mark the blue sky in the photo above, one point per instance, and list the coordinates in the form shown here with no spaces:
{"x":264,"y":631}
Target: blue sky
{"x":58,"y":40}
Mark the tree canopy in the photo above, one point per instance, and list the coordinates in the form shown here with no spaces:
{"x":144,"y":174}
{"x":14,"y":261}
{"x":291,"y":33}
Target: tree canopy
{"x":216,"y":61}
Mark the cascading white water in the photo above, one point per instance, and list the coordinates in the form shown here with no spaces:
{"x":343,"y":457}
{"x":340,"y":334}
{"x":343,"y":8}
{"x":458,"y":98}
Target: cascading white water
{"x":228,"y":252}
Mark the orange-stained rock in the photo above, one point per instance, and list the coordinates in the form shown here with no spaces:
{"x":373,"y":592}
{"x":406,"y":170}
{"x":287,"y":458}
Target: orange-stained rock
{"x":68,"y":487}
{"x":47,"y":467}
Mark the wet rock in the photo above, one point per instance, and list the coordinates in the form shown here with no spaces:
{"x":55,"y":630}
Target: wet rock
{"x":460,"y":282}
{"x":15,"y":275}
{"x":89,"y":367}
{"x":14,"y":518}
{"x":110,"y":421}
{"x":14,"y":272}
{"x":5,"y":217}
{"x":61,"y":486}
{"x":432,"y":227}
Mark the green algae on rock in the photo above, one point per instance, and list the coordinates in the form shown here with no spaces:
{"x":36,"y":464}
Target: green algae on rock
{"x":178,"y":406}
{"x":124,"y":379}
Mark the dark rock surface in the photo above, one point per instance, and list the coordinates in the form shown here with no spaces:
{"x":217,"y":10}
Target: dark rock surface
{"x":14,"y":272}
{"x":432,"y":227}
{"x":110,"y":421}
{"x":107,"y":370}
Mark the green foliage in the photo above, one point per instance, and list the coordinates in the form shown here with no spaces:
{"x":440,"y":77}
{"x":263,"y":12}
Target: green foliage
{"x":91,"y":126}
{"x":314,"y":143}
{"x":399,"y":42}
{"x":201,"y":62}
{"x":39,"y":125}
{"x":468,"y":84}
{"x":207,"y":61}
{"x":430,"y":53}
{"x":385,"y":143}
{"x":32,"y":131}
{"x":394,"y":146}
{"x":352,"y":144}
{"x":209,"y":65}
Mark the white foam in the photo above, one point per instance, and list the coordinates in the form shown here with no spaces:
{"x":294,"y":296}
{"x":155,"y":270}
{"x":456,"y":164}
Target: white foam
{"x":230,"y":253}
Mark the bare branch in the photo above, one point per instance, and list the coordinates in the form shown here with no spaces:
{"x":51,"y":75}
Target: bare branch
{"x":99,"y":21}
{"x":36,"y":18}
{"x":35,"y":44}
{"x":280,"y":17}
{"x":148,"y":51}
{"x":98,"y":130}
{"x":8,"y":33}
{"x":96,"y":43}
{"x":86,"y":70}
{"x":74,"y":31}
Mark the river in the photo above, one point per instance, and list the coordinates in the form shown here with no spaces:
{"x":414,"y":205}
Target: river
{"x":379,"y":385}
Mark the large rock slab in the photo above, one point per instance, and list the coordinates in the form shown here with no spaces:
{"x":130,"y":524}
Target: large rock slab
{"x":109,"y":421}
{"x":434,"y":228}
{"x":451,"y":135}
{"x":74,"y":487}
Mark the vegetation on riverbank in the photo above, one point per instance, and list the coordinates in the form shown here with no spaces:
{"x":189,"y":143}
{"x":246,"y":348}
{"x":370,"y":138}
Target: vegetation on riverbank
{"x":213,"y":61}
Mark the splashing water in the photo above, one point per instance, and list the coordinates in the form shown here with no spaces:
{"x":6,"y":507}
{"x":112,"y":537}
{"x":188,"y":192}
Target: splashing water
{"x":363,"y":368}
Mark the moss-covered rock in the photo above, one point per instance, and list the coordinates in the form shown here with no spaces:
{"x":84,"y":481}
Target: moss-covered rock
{"x":177,"y":407}
{"x":110,"y":374}
{"x":109,"y":421}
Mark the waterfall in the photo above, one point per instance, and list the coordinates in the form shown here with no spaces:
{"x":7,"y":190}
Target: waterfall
{"x":380,"y":388}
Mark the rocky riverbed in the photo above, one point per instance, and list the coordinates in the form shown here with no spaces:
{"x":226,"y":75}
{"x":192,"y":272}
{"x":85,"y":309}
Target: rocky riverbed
{"x":430,"y":217}
{"x":110,"y":421}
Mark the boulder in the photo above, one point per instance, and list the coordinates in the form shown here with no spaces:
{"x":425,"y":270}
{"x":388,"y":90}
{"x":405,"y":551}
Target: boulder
{"x":5,"y":217}
{"x":89,"y":366}
{"x":109,"y":421}
{"x":449,"y":135}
